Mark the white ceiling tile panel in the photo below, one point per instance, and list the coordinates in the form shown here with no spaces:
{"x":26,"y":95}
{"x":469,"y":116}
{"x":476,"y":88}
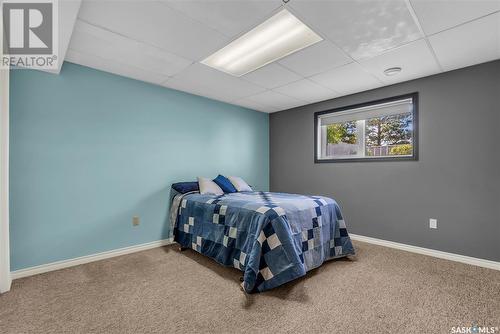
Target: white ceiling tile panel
{"x":272,"y":75}
{"x":99,"y":42}
{"x":204,"y":80}
{"x":347,"y":79}
{"x":472,"y":43}
{"x":213,"y":94}
{"x":435,"y":16}
{"x":112,"y":66}
{"x":244,"y":102}
{"x":154,"y":23}
{"x":361,"y":28}
{"x":230,"y":17}
{"x":306,"y":90}
{"x":415,"y":59}
{"x":275,"y":100}
{"x":317,"y":58}
{"x":163,"y":41}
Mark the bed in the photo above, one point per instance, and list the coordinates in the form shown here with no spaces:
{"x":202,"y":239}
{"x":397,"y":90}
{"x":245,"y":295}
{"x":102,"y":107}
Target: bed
{"x":272,"y":238}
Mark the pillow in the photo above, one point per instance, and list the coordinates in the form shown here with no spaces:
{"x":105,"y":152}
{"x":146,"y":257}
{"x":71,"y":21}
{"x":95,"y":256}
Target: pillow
{"x":224,"y":183}
{"x":239,"y":183}
{"x":208,"y":186}
{"x":185,"y":187}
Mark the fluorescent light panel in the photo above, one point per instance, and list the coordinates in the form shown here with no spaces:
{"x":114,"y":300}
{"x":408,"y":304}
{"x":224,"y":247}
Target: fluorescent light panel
{"x":275,"y":38}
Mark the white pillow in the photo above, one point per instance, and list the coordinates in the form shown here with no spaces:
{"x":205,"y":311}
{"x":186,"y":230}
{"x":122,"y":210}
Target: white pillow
{"x":239,"y":183}
{"x":208,"y":186}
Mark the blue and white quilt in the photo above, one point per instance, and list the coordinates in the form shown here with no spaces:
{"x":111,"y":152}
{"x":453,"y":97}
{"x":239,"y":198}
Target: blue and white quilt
{"x":272,"y":237}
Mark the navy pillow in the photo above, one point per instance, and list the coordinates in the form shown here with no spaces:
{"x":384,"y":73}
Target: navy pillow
{"x":185,"y":187}
{"x":224,"y":183}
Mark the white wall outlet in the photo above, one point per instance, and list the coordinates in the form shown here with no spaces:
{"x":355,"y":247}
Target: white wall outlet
{"x":433,"y":223}
{"x":136,"y":220}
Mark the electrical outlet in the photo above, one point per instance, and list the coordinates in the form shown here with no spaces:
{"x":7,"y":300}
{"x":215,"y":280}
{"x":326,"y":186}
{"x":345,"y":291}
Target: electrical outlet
{"x":433,"y":223}
{"x":136,"y":220}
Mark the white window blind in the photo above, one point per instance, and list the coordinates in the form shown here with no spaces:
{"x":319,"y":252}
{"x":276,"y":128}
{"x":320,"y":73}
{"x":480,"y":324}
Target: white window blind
{"x":368,"y":112}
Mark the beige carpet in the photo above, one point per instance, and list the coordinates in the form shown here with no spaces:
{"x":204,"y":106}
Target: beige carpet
{"x":163,"y":291}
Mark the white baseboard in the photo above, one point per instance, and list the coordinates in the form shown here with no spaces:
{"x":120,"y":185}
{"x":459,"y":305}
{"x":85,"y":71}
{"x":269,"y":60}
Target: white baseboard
{"x":86,"y":259}
{"x":429,"y":252}
{"x":137,"y":248}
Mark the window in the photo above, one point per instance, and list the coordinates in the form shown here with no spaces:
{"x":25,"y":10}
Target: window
{"x":373,"y":131}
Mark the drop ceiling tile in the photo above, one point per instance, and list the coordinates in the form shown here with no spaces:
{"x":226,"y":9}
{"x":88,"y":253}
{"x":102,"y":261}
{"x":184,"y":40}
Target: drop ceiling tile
{"x":306,"y":90}
{"x":114,"y":67}
{"x":275,"y":101}
{"x":361,"y":28}
{"x":272,"y":75}
{"x":472,"y":43}
{"x":435,"y":16}
{"x":154,"y":40}
{"x":415,"y":59}
{"x":213,"y":94}
{"x":231,"y":18}
{"x":347,"y":79}
{"x":244,"y":102}
{"x":203,"y":80}
{"x":317,"y":58}
{"x":154,"y":23}
{"x":102,"y":43}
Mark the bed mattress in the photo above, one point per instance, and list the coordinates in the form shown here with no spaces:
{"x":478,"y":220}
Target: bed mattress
{"x":272,"y":238}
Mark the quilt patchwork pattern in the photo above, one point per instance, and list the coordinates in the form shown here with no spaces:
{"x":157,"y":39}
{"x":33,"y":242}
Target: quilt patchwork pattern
{"x":272,"y":237}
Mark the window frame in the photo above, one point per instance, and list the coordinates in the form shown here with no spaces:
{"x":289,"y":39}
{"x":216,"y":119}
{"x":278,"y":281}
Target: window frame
{"x":413,"y":157}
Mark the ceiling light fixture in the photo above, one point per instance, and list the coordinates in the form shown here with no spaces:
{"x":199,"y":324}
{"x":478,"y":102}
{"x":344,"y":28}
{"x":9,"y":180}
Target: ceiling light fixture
{"x":280,"y":35}
{"x":392,"y":71}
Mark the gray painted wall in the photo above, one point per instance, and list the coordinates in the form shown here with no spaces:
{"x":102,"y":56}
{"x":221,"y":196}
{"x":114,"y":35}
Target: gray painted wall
{"x":456,"y":180}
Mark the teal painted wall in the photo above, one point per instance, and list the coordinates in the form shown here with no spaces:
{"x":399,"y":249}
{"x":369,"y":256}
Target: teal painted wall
{"x":89,"y":150}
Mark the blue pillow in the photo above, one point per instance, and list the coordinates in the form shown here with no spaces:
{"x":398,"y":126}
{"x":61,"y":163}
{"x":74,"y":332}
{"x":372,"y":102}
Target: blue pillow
{"x":185,"y":187}
{"x":224,"y":183}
